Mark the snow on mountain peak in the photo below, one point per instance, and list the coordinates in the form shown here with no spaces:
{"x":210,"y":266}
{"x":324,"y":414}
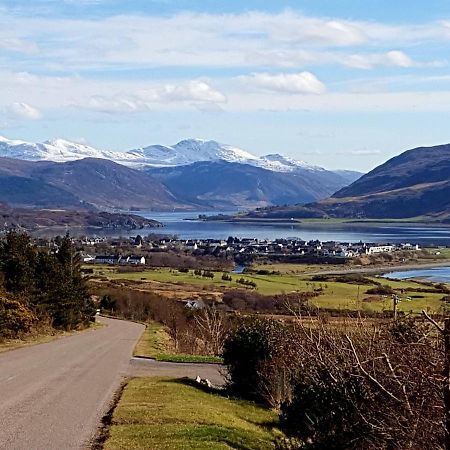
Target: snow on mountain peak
{"x":187,"y":151}
{"x":285,"y":164}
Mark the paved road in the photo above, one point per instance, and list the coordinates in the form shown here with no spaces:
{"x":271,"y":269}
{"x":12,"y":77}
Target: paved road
{"x":53,"y":395}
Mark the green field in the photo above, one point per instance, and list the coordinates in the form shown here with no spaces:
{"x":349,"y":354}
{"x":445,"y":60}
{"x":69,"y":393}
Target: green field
{"x":158,"y":413}
{"x":333,"y":295}
{"x":156,"y":343}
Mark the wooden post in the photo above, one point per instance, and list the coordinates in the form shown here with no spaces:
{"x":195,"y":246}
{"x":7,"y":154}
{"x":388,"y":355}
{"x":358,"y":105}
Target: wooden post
{"x":395,"y":302}
{"x":447,"y":382}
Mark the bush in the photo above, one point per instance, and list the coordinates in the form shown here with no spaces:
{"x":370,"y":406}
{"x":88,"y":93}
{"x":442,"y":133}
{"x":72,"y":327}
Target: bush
{"x":363,"y":386}
{"x":247,"y":352}
{"x":325,"y":414}
{"x":226,"y":277}
{"x":381,"y":290}
{"x":15,"y":318}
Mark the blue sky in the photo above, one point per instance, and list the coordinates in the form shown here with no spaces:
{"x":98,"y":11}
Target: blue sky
{"x":341,"y":84}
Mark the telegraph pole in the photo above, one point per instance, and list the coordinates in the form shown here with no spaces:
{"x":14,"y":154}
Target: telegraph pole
{"x":447,"y":381}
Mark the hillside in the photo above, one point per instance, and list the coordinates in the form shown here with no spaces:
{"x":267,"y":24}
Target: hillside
{"x":228,"y":185}
{"x":415,"y":183}
{"x":90,"y":183}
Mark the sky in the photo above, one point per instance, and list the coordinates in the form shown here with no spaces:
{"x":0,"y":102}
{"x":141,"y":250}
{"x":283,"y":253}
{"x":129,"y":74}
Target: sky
{"x":342,"y":84}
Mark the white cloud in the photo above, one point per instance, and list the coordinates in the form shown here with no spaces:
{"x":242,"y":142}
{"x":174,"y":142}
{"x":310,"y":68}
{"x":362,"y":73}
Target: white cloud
{"x":286,"y":39}
{"x":15,"y":44}
{"x":198,"y":93}
{"x":398,"y":58}
{"x":112,"y":105}
{"x":394,"y":58}
{"x":292,"y":83}
{"x":20,"y":110}
{"x":363,"y":60}
{"x":195,"y":90}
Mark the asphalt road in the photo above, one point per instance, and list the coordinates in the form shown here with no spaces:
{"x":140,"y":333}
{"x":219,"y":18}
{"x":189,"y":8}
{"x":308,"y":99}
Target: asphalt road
{"x":53,"y":395}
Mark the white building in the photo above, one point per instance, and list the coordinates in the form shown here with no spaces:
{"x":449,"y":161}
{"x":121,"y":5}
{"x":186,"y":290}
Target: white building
{"x":380,"y":249}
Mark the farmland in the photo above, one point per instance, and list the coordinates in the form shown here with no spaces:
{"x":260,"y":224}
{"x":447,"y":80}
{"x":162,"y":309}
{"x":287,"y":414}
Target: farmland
{"x":335,"y":293}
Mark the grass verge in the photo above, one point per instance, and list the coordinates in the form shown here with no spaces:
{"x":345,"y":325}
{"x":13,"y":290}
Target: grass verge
{"x":41,"y":338}
{"x":161,"y":413}
{"x":155,"y":343}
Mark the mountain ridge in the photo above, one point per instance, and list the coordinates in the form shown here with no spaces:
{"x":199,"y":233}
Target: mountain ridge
{"x":185,"y":152}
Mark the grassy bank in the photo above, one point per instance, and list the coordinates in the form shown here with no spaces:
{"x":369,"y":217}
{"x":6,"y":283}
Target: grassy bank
{"x":157,"y":413}
{"x":155,"y":343}
{"x":46,"y":335}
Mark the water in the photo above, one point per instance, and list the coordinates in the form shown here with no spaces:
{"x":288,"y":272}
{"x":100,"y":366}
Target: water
{"x":175,"y":224}
{"x":437,"y":274}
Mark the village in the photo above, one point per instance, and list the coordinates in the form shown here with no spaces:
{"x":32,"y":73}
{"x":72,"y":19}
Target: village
{"x":135,"y":250}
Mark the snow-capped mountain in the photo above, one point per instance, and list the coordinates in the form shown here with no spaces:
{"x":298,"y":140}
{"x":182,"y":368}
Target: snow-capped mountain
{"x":281,"y":163}
{"x":183,"y":153}
{"x":190,"y":151}
{"x":191,"y":174}
{"x":57,"y":150}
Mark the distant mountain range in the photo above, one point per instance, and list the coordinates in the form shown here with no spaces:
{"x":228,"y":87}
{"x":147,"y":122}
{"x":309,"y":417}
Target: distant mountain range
{"x":193,"y":174}
{"x":226,"y":185}
{"x":415,"y":183}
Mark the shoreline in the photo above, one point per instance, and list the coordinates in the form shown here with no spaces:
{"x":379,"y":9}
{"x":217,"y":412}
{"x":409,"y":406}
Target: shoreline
{"x":381,"y":270}
{"x":324,"y":222}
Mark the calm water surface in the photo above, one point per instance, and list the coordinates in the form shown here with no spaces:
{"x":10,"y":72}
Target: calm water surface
{"x":438,"y":274}
{"x":176,"y":224}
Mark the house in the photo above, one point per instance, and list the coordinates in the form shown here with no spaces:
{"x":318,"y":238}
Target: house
{"x":108,"y":259}
{"x":379,"y":249}
{"x":137,"y":260}
{"x":87,"y":258}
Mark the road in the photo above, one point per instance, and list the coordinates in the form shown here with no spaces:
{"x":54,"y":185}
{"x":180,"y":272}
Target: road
{"x":53,"y":395}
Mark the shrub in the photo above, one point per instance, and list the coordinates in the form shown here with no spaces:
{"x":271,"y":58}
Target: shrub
{"x":15,"y":318}
{"x":226,"y":277}
{"x":324,"y":414}
{"x":248,"y":352}
{"x":381,"y":290}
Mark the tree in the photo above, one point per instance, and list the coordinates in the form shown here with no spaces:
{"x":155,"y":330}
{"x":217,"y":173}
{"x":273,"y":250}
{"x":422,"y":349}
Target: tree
{"x":18,"y":262}
{"x":70,"y":304}
{"x":211,"y":325}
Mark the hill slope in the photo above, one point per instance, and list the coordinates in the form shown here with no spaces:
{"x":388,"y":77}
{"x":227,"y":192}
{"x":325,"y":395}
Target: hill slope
{"x":89,"y":182}
{"x":415,"y":183}
{"x":228,"y":185}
